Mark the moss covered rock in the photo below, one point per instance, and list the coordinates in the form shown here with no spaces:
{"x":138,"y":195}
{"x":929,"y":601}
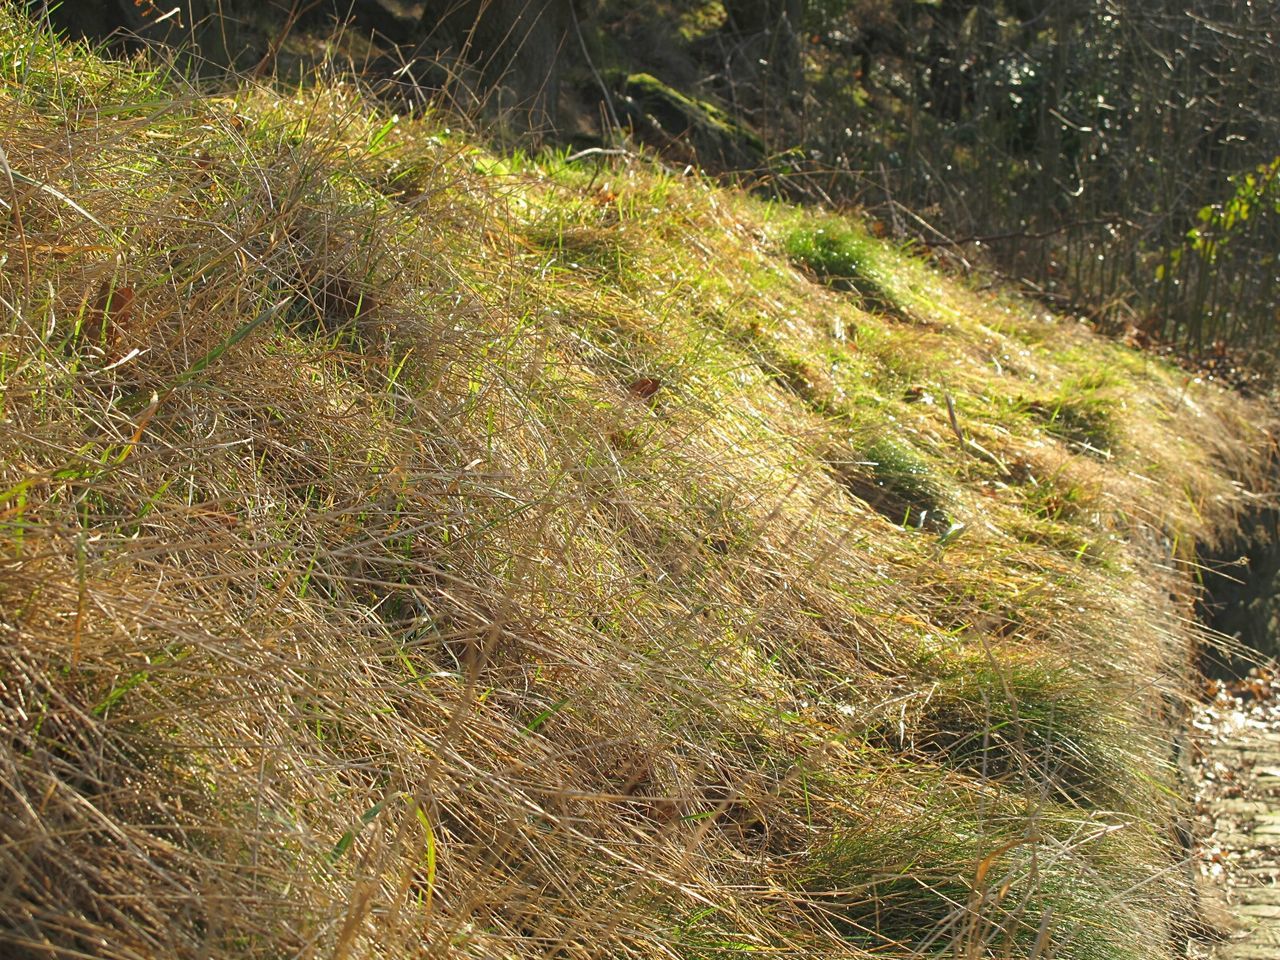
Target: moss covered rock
{"x":667,"y":119}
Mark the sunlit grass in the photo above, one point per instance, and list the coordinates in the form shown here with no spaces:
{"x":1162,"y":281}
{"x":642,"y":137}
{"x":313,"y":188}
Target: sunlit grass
{"x":440,"y":553}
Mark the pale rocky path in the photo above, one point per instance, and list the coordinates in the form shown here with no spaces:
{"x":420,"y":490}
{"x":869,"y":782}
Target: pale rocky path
{"x":1238,"y":773}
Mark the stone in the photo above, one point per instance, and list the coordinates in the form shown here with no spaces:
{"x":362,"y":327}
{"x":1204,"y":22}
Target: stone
{"x":669,"y":120}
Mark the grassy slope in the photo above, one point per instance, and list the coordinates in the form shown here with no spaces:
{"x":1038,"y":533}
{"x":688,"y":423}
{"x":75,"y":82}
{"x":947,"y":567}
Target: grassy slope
{"x":410,"y":552}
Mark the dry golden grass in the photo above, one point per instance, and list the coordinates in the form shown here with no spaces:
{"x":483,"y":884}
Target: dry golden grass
{"x":409,"y":552}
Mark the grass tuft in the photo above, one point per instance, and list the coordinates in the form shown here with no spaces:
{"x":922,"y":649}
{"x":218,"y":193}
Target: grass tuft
{"x":847,"y":260}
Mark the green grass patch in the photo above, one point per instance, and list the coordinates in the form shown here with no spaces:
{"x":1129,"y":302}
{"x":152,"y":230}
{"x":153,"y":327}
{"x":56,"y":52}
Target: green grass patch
{"x":897,"y":482}
{"x":849,"y":261}
{"x":1000,"y":717}
{"x":936,"y":876}
{"x":1083,"y":412}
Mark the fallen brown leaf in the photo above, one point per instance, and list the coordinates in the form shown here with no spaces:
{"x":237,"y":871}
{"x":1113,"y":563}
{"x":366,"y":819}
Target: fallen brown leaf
{"x":109,"y":313}
{"x":645,"y":387}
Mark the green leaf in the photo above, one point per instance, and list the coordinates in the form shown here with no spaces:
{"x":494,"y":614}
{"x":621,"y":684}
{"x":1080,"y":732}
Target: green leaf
{"x":544,"y":716}
{"x":430,"y":836}
{"x":118,"y":691}
{"x":382,"y":133}
{"x":239,"y":334}
{"x":348,"y":838}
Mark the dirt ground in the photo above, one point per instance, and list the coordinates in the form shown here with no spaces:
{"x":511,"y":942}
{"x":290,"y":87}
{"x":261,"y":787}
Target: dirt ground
{"x":1236,"y":754}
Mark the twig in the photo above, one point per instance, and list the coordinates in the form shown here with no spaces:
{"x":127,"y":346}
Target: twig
{"x":599,"y":152}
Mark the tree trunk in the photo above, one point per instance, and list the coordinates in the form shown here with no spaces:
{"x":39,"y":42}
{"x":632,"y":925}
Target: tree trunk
{"x":769,"y":31}
{"x":515,"y":45}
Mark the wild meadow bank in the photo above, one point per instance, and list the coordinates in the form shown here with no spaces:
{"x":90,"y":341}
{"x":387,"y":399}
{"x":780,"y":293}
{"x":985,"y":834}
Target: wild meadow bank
{"x":408,"y":551}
